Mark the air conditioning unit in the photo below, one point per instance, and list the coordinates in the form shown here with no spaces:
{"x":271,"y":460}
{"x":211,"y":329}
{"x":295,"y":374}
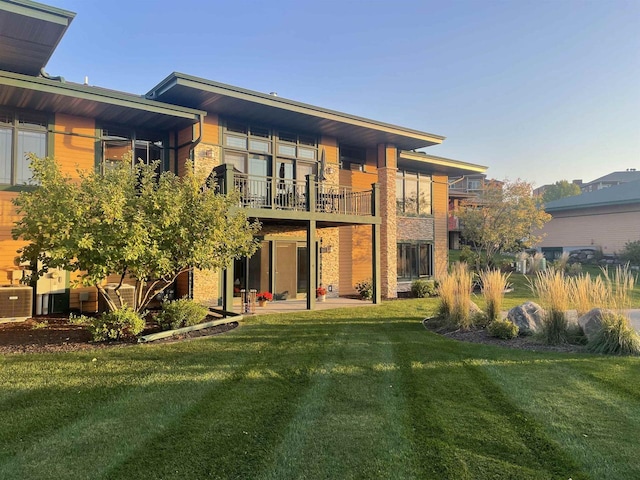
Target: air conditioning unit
{"x":127,"y":296}
{"x":16,"y":303}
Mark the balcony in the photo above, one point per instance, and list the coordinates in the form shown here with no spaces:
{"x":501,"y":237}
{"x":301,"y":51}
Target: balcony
{"x":275,"y":196}
{"x":454,"y":223}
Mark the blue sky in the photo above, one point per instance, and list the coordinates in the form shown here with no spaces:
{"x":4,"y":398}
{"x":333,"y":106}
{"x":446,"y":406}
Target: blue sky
{"x":538,"y":90}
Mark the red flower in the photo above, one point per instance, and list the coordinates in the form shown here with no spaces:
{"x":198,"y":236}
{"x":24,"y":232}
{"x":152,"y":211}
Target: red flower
{"x":264,"y":297}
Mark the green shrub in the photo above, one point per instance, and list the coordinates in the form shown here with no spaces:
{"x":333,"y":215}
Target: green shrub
{"x":180,"y":313}
{"x":122,"y":324}
{"x":617,"y":337}
{"x":468,"y":256}
{"x":365,"y":289}
{"x":423,"y":288}
{"x":503,"y":329}
{"x":631,"y":252}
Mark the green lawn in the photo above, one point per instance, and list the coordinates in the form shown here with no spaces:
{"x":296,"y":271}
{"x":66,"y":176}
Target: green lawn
{"x":353,"y":393}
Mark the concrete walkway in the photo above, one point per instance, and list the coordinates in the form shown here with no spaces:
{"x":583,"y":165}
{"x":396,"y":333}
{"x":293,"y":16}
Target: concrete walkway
{"x":286,"y":306}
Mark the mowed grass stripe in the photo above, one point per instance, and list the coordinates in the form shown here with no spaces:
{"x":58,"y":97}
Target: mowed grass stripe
{"x":466,"y":428}
{"x":593,"y":422}
{"x":348,"y":424}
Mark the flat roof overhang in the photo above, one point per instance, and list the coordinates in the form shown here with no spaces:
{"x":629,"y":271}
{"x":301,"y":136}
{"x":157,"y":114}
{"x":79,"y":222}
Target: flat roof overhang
{"x":29,"y":34}
{"x":235,"y":102}
{"x":446,"y":166}
{"x":107,"y":106}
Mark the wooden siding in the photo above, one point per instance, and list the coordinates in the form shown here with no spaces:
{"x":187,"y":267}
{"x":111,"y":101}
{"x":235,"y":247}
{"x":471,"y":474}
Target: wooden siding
{"x":608,"y":228}
{"x":440,"y":212}
{"x":74,"y":152}
{"x":8,"y":246}
{"x":355,"y":243}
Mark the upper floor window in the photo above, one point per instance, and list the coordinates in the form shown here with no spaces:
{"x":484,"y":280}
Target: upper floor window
{"x":118,"y":143}
{"x":352,"y":158}
{"x":413,"y":194}
{"x":292,"y":145}
{"x":21,"y":133}
{"x":241,"y":136}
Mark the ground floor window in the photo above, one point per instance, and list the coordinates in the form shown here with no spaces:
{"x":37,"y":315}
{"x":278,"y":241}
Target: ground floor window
{"x":415,"y":260}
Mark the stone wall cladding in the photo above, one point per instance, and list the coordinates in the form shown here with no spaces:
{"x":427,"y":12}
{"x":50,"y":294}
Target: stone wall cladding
{"x":388,"y":232}
{"x":415,"y":228}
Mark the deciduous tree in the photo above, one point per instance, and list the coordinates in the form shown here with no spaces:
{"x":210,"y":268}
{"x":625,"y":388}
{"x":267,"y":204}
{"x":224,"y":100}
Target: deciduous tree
{"x":560,"y":190}
{"x":502,"y":218}
{"x":129,"y":221}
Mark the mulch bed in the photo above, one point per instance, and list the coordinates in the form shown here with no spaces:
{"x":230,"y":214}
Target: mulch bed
{"x":480,"y":335}
{"x":56,"y":334}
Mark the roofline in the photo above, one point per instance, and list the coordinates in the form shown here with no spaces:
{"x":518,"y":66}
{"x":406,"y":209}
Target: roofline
{"x":40,"y":11}
{"x":583,"y":206}
{"x":442,"y":161}
{"x":97,"y":94}
{"x":177,"y":78}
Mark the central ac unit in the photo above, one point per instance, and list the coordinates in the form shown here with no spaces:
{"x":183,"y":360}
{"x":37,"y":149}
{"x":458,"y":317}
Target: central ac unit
{"x":16,"y":303}
{"x":127,"y":296}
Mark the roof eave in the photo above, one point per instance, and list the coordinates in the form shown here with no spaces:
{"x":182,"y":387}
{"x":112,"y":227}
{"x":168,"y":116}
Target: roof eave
{"x":447,"y":165}
{"x":180,"y":79}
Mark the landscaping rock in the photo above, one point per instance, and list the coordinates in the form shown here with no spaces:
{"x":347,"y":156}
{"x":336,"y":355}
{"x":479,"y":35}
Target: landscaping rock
{"x":474,"y":309}
{"x":528,"y":317}
{"x":591,"y":322}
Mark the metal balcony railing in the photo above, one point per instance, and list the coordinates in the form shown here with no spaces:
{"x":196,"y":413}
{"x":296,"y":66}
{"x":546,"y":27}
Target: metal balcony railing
{"x":290,"y":194}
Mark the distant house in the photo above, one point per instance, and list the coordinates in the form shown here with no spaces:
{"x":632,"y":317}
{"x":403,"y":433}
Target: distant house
{"x":610,"y":180}
{"x":603,"y":219}
{"x":461,"y":188}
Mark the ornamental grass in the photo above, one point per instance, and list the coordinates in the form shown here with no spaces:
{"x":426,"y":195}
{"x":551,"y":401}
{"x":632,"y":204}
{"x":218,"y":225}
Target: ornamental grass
{"x":552,"y":288}
{"x":494,"y":283}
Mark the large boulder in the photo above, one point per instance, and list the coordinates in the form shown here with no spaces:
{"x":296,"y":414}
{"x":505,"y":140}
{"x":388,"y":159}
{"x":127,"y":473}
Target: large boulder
{"x":591,"y":322}
{"x":528,"y":317}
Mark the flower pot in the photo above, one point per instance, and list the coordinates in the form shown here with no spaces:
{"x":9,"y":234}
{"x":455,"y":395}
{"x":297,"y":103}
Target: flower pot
{"x":322,"y":298}
{"x":262,"y":303}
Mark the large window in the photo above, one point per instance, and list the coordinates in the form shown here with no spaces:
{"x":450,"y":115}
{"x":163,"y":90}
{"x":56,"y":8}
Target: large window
{"x":21,"y":133}
{"x":118,"y":143}
{"x":413,"y":194}
{"x":352,"y":158}
{"x":252,"y":148}
{"x":415,"y":260}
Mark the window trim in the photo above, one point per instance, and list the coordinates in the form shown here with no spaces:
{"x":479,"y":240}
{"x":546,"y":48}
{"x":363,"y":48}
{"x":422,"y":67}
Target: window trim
{"x":417,"y":245}
{"x":401,"y":176}
{"x":15,"y":128}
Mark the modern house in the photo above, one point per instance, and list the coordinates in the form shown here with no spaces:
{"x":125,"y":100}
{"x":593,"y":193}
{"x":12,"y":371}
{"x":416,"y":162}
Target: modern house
{"x":461,"y":189}
{"x":341,"y":198}
{"x":603,"y":220}
{"x":610,"y":180}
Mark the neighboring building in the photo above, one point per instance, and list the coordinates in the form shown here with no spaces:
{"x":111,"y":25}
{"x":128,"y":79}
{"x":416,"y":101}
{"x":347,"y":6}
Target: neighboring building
{"x":603,"y":220}
{"x":463,"y":188}
{"x":610,"y":180}
{"x":341,"y":199}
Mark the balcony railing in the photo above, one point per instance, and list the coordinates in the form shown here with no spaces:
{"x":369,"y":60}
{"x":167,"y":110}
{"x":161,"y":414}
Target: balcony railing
{"x":290,"y":194}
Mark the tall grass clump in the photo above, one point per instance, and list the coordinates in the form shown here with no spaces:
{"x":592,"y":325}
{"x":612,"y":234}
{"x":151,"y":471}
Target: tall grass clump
{"x":494,"y":283}
{"x":562,"y":262}
{"x":616,"y":337}
{"x":455,"y":296}
{"x":620,"y":284}
{"x":587,"y":293}
{"x":552,"y":288}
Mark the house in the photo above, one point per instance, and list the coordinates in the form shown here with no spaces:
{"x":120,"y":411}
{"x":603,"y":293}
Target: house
{"x":462,"y":188}
{"x":341,"y":198}
{"x":603,"y":220}
{"x":610,"y":180}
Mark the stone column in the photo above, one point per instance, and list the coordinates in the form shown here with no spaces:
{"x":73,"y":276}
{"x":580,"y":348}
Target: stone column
{"x":387,"y":168}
